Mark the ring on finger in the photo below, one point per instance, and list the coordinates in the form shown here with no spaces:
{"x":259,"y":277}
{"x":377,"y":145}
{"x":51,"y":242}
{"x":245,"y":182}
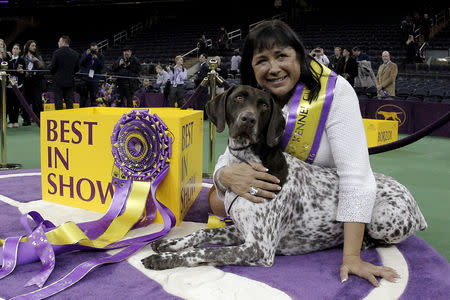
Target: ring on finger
{"x":253,"y":191}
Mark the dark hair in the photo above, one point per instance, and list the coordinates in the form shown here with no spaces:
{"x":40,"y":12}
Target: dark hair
{"x":66,"y":39}
{"x":26,"y":47}
{"x":93,"y":44}
{"x":16,"y":44}
{"x":272,"y":33}
{"x":356,"y":48}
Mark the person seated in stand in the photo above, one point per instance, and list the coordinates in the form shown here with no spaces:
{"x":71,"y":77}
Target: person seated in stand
{"x":275,"y":59}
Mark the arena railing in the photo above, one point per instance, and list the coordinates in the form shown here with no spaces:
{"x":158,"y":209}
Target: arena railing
{"x":119,"y":37}
{"x":103,"y":44}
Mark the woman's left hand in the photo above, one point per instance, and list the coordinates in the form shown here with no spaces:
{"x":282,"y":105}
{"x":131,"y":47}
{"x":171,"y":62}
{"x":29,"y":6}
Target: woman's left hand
{"x":353,"y":264}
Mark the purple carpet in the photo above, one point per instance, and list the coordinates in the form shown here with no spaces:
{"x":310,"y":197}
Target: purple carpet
{"x":311,"y":276}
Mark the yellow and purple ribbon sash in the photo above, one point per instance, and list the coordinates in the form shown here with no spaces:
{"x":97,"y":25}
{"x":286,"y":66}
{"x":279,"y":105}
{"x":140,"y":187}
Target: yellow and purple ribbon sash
{"x":306,"y":120}
{"x":141,"y":151}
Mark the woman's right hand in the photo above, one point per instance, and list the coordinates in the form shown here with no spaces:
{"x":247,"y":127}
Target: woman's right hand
{"x":240,"y":177}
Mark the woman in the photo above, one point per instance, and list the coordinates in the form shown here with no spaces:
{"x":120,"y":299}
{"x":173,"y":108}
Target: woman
{"x":13,"y":105}
{"x":347,"y":67}
{"x":275,"y":59}
{"x":33,"y":81}
{"x":4,"y":54}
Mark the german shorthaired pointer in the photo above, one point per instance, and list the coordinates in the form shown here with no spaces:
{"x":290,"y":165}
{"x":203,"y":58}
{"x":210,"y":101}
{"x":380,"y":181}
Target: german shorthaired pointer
{"x":301,"y":218}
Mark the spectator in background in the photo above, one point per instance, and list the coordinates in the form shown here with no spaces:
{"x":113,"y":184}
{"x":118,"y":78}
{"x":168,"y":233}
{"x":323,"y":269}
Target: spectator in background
{"x":162,"y":77}
{"x":411,"y":50}
{"x":360,"y":56}
{"x":202,"y":45}
{"x":223,"y":43}
{"x":91,"y":65}
{"x":223,"y":72}
{"x":386,"y":76}
{"x":65,"y":63}
{"x":13,"y":105}
{"x":235,"y":62}
{"x":320,"y":56}
{"x":221,"y":69}
{"x":33,"y":81}
{"x":202,"y":71}
{"x":4,"y":54}
{"x":347,"y":66}
{"x":406,"y":29}
{"x":334,"y":59}
{"x":178,"y":75}
{"x":425,"y":27}
{"x":146,"y":86}
{"x":366,"y":77}
{"x":127,"y":66}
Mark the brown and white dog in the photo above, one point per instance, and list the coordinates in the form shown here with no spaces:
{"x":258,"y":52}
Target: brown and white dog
{"x":301,"y":218}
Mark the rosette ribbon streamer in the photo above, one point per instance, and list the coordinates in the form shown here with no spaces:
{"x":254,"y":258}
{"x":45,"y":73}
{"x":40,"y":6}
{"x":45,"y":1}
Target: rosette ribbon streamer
{"x":141,"y":150}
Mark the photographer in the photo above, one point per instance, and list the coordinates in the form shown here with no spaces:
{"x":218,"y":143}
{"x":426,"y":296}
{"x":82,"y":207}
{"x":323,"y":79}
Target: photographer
{"x":320,"y":56}
{"x":127,"y":66}
{"x":91,"y":65}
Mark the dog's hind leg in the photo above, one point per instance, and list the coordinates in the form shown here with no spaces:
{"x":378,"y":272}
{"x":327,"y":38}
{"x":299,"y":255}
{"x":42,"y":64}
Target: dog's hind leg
{"x":245,"y":254}
{"x":396,"y":215}
{"x":213,"y":236}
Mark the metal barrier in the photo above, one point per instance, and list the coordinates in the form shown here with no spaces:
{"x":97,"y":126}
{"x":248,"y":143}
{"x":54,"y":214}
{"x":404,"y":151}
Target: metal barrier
{"x":119,"y":37}
{"x":136,"y":28}
{"x":103,"y":44}
{"x":235,"y":34}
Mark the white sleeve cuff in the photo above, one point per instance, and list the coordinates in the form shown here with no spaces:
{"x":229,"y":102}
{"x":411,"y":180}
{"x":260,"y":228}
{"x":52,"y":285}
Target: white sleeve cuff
{"x":355,"y":206}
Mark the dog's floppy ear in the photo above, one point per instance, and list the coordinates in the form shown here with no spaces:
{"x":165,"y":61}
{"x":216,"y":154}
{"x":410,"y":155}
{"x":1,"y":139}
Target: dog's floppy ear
{"x":215,"y":109}
{"x":276,"y":126}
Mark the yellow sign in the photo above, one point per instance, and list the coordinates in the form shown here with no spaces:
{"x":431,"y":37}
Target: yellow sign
{"x":380,"y":132}
{"x":76,"y":157}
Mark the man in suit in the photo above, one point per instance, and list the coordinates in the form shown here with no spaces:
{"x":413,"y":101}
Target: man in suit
{"x":64,"y":66}
{"x":203,"y":69}
{"x":386,"y":76}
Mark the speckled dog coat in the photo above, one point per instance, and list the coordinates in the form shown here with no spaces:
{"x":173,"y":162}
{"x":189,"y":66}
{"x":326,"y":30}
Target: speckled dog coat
{"x":301,"y":218}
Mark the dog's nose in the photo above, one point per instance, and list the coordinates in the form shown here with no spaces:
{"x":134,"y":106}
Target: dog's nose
{"x":247,"y":118}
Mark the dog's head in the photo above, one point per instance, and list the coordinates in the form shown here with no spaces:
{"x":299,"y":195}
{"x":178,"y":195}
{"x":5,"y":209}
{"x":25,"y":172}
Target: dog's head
{"x":251,"y":114}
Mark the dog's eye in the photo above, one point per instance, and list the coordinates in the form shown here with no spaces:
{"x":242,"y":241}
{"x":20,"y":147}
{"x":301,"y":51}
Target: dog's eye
{"x":264,"y":106}
{"x":239,"y":99}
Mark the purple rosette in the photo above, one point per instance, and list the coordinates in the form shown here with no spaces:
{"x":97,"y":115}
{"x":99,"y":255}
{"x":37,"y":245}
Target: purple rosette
{"x":140,"y":146}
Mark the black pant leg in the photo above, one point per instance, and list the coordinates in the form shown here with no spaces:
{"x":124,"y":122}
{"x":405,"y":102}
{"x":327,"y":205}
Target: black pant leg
{"x":68,"y":96}
{"x":59,"y":95}
{"x":83,"y":94}
{"x":92,"y":91}
{"x":13,"y":105}
{"x":180,"y":95}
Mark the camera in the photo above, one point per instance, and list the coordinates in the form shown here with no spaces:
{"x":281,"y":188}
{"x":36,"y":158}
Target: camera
{"x":317,"y":51}
{"x":93,"y":52}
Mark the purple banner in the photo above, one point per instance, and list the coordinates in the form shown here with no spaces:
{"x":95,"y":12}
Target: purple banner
{"x":411,"y":115}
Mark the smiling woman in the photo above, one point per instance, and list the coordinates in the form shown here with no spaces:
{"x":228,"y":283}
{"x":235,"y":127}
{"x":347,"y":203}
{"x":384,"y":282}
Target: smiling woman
{"x":324,"y":127}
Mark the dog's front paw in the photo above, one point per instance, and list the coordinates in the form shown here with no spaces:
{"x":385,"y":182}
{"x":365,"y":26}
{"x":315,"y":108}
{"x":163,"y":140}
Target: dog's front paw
{"x":160,"y":246}
{"x":161,"y":262}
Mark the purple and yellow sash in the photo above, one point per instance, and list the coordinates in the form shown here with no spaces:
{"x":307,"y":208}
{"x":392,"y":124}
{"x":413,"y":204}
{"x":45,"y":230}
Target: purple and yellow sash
{"x":306,"y":121}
